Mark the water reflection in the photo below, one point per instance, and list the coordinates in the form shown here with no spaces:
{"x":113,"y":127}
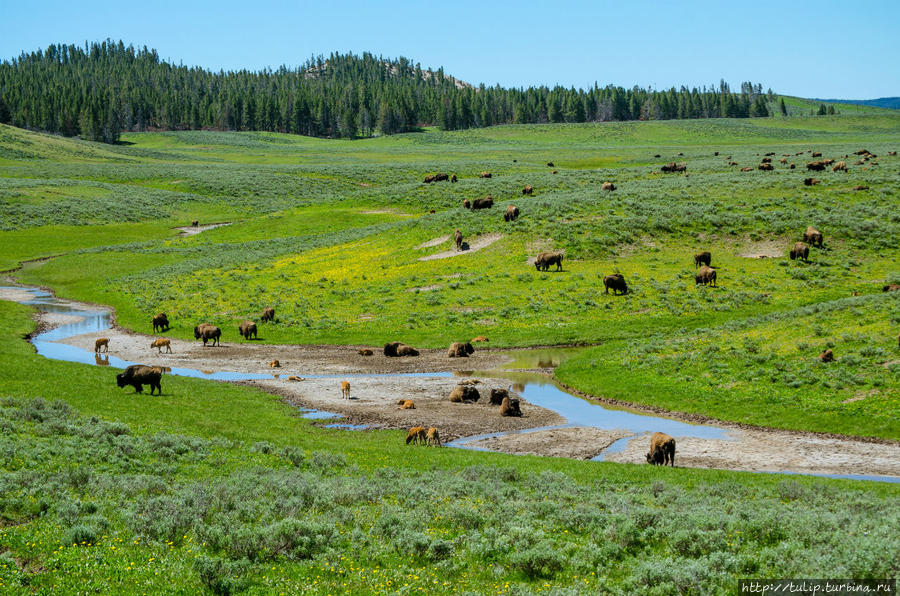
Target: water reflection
{"x":101,"y":360}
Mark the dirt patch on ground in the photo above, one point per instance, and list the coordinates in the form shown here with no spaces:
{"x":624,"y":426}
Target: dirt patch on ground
{"x":773,"y":451}
{"x":15,"y":295}
{"x":475,"y":244}
{"x":577,"y":442}
{"x":434,"y":242}
{"x":386,"y":212}
{"x":194,"y":230}
{"x":765,"y":249}
{"x":425,"y":288}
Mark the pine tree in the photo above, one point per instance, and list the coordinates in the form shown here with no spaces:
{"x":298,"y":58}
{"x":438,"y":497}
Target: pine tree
{"x":782,"y":107}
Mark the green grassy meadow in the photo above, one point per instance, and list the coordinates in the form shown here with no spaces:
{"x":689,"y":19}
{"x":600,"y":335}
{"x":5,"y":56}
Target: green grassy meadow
{"x":188,"y":492}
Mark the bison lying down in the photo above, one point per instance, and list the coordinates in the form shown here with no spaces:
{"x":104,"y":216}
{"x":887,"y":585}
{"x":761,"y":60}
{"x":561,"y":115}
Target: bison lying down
{"x":396,"y":348}
{"x":138,"y":375}
{"x":662,"y":450}
{"x":460,"y":349}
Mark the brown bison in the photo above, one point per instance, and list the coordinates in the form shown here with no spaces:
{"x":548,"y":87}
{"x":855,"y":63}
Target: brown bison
{"x":767,"y":160}
{"x":268,"y":314}
{"x":397,"y":349}
{"x":161,"y":343}
{"x":275,"y":364}
{"x":464,"y":394}
{"x":406,"y":404}
{"x":817,"y":166}
{"x":498,"y":395}
{"x":828,"y":162}
{"x":891,"y":288}
{"x":827,"y":356}
{"x":459,"y":349}
{"x":555,"y":172}
{"x":207,"y":332}
{"x":766,"y":167}
{"x":441,"y":177}
{"x":783,"y":160}
{"x":813,"y":236}
{"x":138,"y":375}
{"x":545,"y":259}
{"x":512,"y":213}
{"x":770,"y":153}
{"x":860,"y":187}
{"x":674,"y":167}
{"x":706,"y":275}
{"x":416,"y":435}
{"x":616,"y":281}
{"x":484,"y":175}
{"x":732,"y":163}
{"x":457,"y":239}
{"x":527,"y":190}
{"x":608,"y":186}
{"x":160,"y":322}
{"x":800,"y":251}
{"x":662,"y":450}
{"x":817,"y":154}
{"x":479,"y":338}
{"x":746,"y":169}
{"x":101,"y":342}
{"x":893,"y":153}
{"x":345,"y":389}
{"x":195,"y":223}
{"x":429,"y":179}
{"x":432,"y":437}
{"x":247,"y":328}
{"x":365,"y":352}
{"x":453,"y":178}
{"x":840,"y":166}
{"x":702,"y":258}
{"x":510,"y":407}
{"x":811,"y":181}
{"x":467,"y":204}
{"x":485,"y":203}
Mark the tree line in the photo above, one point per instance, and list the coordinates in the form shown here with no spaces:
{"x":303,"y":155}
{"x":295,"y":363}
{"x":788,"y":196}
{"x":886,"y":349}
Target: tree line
{"x":104,"y":88}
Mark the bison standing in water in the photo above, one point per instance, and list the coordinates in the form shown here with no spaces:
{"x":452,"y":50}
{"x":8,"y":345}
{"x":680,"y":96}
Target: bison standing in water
{"x":138,"y":375}
{"x":616,"y":281}
{"x":662,"y":450}
{"x":207,"y":332}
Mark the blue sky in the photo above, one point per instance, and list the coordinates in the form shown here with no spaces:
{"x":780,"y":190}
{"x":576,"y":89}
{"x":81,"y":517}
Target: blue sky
{"x":824,"y":49}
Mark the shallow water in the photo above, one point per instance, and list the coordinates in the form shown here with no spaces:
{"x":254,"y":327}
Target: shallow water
{"x":537,"y":389}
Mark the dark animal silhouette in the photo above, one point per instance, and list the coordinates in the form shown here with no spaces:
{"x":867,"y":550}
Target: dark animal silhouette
{"x":706,"y":275}
{"x":457,"y":238}
{"x":498,"y":395}
{"x":827,"y":356}
{"x":160,"y":322}
{"x":800,"y":251}
{"x":485,"y":203}
{"x":811,"y":181}
{"x":527,"y":190}
{"x":674,"y":167}
{"x":207,"y":332}
{"x":397,"y":348}
{"x":550,"y":164}
{"x":891,"y":288}
{"x":512,"y":213}
{"x":138,"y":375}
{"x":441,"y":177}
{"x":101,"y":342}
{"x":813,"y":236}
{"x":268,"y":314}
{"x":453,"y":178}
{"x":702,"y":258}
{"x":484,"y":175}
{"x":662,"y":450}
{"x":766,"y":167}
{"x":467,"y":204}
{"x":817,"y":166}
{"x":840,"y":166}
{"x":746,"y":169}
{"x":247,"y":328}
{"x":464,"y":394}
{"x":460,"y":349}
{"x":195,"y":223}
{"x":860,"y":187}
{"x":608,"y":186}
{"x":510,"y":407}
{"x":616,"y":281}
{"x":545,"y":259}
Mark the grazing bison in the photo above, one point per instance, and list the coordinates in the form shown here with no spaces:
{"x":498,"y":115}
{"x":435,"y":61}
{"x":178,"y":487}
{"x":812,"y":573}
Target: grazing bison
{"x":783,"y":160}
{"x":457,"y":238}
{"x":429,"y":179}
{"x":554,"y":172}
{"x":860,"y":187}
{"x":706,"y":275}
{"x":674,"y":167}
{"x":827,"y":162}
{"x":160,"y":322}
{"x":485,"y":203}
{"x":891,"y":288}
{"x":247,"y":328}
{"x":793,"y":165}
{"x":732,"y":163}
{"x":441,"y":177}
{"x":397,"y":348}
{"x":101,"y":342}
{"x":416,"y":434}
{"x":817,"y":166}
{"x":702,"y":258}
{"x":811,"y":181}
{"x":138,"y":375}
{"x":746,"y":169}
{"x":827,"y":356}
{"x":161,"y":343}
{"x":893,"y":153}
{"x":432,"y":437}
{"x":484,"y":175}
{"x":406,"y":404}
{"x":512,"y":213}
{"x":510,"y":407}
{"x":550,"y":164}
{"x":840,"y":166}
{"x":608,"y":186}
{"x":813,"y":236}
{"x":817,"y":154}
{"x":467,"y":204}
{"x":365,"y":352}
{"x":459,"y":349}
{"x":453,"y":178}
{"x":527,"y":190}
{"x":545,"y":259}
{"x":800,"y":251}
{"x":268,"y":314}
{"x":207,"y":332}
{"x":767,"y":160}
{"x":662,"y":450}
{"x":195,"y":223}
{"x":294,"y":378}
{"x":616,"y":281}
{"x":464,"y":394}
{"x":766,"y":167}
{"x":498,"y":395}
{"x":345,"y":389}
{"x":770,"y":153}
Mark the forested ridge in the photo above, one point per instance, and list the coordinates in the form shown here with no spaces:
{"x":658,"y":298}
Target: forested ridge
{"x":99,"y":90}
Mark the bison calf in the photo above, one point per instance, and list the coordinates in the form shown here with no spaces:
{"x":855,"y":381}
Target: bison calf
{"x":102,"y":342}
{"x":161,"y":343}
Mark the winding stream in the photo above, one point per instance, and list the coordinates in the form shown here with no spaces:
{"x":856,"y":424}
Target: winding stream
{"x":535,"y":388}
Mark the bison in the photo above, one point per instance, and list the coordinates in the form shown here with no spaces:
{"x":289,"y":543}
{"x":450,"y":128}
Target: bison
{"x":527,"y":190}
{"x":811,"y":181}
{"x":608,"y":186}
{"x":484,"y":175}
{"x":702,"y":258}
{"x":662,"y":450}
{"x":817,"y":154}
{"x":416,"y":435}
{"x":467,"y":204}
{"x":396,"y":349}
{"x":479,"y":338}
{"x":161,"y":343}
{"x":195,"y":223}
{"x":767,"y":159}
{"x":247,"y":328}
{"x":365,"y":352}
{"x":732,"y":163}
{"x":207,"y":332}
{"x":813,"y":236}
{"x":512,"y":213}
{"x":485,"y":203}
{"x":827,"y":356}
{"x":138,"y":375}
{"x":160,"y":322}
{"x":453,"y":178}
{"x":406,"y":404}
{"x":457,"y":238}
{"x":545,"y":259}
{"x":432,"y":437}
{"x":510,"y":407}
{"x":800,"y":251}
{"x":793,"y":165}
{"x":464,"y":394}
{"x":429,"y":179}
{"x":616,"y":281}
{"x":550,"y":164}
{"x":345,"y":389}
{"x":101,"y":342}
{"x":441,"y":177}
{"x":766,"y":167}
{"x":891,"y":288}
{"x":460,"y":349}
{"x":498,"y":395}
{"x":840,"y":166}
{"x":674,"y":167}
{"x":268,"y":314}
{"x":817,"y":166}
{"x":860,"y":187}
{"x":746,"y":169}
{"x":706,"y":275}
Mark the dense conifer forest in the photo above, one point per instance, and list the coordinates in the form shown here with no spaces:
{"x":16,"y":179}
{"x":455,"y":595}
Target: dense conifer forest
{"x":99,"y":90}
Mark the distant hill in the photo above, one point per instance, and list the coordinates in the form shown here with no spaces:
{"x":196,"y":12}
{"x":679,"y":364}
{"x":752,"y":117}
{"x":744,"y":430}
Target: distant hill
{"x":892,"y":103}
